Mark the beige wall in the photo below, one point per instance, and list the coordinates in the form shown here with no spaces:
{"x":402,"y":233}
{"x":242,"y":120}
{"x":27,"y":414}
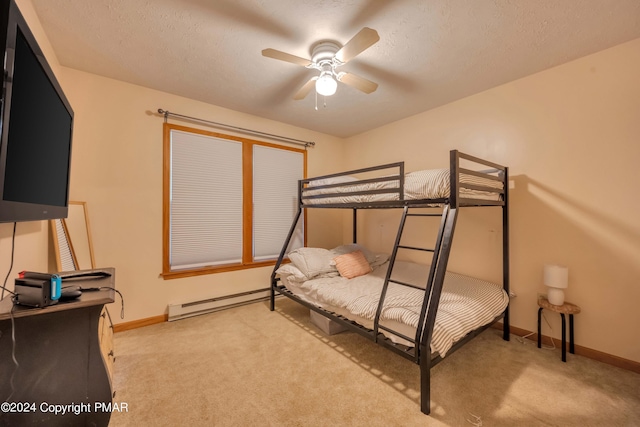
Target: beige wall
{"x":117,"y":169}
{"x":570,"y":137}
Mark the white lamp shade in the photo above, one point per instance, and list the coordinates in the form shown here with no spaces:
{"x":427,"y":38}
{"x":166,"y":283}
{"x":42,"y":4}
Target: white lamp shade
{"x":326,"y":85}
{"x":555,"y":296}
{"x":556,"y":276}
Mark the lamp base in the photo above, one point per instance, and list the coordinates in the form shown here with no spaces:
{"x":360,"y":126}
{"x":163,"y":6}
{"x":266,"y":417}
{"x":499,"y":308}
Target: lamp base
{"x":555,"y":296}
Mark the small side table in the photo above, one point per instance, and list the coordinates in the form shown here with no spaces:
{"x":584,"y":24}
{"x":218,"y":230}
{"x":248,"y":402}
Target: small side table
{"x":566,"y":308}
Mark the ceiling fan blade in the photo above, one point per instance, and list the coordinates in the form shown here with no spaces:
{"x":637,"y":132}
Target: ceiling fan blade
{"x":282,"y":56}
{"x":360,"y":83}
{"x":304,"y":90}
{"x":358,"y":44}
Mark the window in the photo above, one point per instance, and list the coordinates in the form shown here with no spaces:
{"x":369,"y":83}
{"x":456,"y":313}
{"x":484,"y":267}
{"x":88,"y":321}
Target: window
{"x":228,"y":201}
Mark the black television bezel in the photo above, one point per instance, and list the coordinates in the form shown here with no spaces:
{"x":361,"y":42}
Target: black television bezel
{"x":10,"y":20}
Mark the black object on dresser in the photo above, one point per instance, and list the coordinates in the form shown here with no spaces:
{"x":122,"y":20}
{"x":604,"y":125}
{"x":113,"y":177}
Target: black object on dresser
{"x":60,"y":366}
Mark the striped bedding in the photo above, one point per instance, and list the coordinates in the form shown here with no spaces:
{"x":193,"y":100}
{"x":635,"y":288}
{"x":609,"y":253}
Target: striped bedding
{"x":466,"y":303}
{"x":420,"y":185}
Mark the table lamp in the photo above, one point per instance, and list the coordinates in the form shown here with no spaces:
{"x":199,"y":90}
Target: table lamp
{"x":556,"y":278}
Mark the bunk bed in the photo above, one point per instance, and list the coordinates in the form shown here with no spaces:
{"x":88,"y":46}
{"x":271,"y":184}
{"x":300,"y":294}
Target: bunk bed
{"x":394,"y":305}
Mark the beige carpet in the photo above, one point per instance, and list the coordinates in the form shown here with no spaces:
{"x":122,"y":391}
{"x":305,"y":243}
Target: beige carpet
{"x":249,"y":366}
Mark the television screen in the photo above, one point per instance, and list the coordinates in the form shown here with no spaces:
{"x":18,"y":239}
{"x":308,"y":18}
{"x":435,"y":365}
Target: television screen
{"x":39,"y":135}
{"x":37,"y":123}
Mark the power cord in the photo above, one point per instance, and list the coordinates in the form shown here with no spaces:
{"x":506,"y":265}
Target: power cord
{"x":101,"y":288}
{"x":7,"y":290}
{"x":13,"y":354}
{"x":121,"y":300}
{"x":521,"y":339}
{"x":475,"y":420}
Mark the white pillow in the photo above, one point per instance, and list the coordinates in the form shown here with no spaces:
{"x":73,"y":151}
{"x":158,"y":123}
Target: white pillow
{"x":381,"y":258}
{"x":295,"y":275}
{"x":313,"y":262}
{"x":293,"y":271}
{"x":345,"y":249}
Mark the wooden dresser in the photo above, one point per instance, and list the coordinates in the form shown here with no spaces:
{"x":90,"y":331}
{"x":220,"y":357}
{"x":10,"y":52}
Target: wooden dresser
{"x":64,"y":356}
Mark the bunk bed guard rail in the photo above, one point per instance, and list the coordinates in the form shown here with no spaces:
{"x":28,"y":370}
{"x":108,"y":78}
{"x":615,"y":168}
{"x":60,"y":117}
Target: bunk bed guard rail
{"x":496,"y":173}
{"x":346,"y":190}
{"x":321,"y":187}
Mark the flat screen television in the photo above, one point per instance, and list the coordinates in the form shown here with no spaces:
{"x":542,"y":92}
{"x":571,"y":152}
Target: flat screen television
{"x":36,"y":121}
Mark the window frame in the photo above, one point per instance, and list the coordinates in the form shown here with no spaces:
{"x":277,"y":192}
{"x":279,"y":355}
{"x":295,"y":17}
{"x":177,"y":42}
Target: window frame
{"x":247,"y":203}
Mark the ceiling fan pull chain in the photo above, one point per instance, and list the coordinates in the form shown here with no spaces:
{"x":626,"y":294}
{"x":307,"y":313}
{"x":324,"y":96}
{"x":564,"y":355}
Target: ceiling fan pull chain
{"x":316,"y":101}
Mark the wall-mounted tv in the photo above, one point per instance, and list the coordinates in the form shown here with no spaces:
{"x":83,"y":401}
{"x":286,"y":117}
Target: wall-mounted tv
{"x":36,"y":121}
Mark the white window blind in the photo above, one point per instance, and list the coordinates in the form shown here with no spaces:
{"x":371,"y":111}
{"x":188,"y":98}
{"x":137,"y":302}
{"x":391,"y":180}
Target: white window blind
{"x":206,"y":201}
{"x":275,"y":196}
{"x":67,"y":261}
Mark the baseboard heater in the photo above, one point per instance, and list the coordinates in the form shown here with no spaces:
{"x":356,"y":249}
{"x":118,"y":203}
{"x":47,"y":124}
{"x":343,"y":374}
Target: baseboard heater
{"x":210,"y":305}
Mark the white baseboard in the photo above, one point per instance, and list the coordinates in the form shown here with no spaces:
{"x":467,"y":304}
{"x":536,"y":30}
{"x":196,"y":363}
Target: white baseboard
{"x":210,"y":305}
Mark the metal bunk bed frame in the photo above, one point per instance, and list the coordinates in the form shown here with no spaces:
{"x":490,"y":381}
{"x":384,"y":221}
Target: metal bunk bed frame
{"x":420,"y":353}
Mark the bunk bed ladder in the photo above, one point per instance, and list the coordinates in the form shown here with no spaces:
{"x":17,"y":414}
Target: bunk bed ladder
{"x":445,"y":223}
{"x":430,"y":304}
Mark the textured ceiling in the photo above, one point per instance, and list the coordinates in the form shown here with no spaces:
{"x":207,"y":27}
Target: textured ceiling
{"x":430,"y":52}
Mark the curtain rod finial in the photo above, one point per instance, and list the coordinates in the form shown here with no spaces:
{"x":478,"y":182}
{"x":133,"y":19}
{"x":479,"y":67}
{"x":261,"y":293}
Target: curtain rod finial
{"x":164,"y":112}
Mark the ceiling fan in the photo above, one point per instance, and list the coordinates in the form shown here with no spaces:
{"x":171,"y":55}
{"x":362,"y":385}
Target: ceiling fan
{"x":326,"y":56}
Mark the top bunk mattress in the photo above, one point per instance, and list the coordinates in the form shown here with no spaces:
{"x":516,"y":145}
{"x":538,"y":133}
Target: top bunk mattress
{"x":431,"y":184}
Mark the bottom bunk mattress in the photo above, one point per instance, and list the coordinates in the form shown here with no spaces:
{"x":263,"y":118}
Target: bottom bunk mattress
{"x":466,"y":303}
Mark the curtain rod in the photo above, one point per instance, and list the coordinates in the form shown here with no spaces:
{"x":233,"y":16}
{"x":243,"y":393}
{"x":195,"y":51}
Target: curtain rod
{"x":255,"y":132}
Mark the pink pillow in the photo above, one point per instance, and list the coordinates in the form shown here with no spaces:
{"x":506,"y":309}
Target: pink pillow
{"x":352,"y":265}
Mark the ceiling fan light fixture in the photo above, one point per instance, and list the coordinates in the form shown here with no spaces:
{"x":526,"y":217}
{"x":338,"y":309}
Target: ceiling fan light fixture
{"x":326,"y":85}
{"x":326,"y":56}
